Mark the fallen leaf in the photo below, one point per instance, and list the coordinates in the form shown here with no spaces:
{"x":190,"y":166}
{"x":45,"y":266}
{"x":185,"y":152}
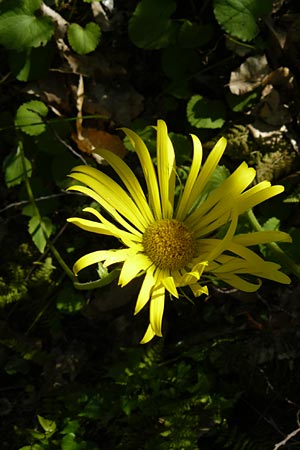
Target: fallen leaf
{"x":249,"y":75}
{"x":93,"y":140}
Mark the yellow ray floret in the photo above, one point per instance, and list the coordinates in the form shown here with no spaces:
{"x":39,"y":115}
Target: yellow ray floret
{"x":173,"y":243}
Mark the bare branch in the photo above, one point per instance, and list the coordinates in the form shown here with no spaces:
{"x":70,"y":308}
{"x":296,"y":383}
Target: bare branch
{"x":287,"y":438}
{"x":60,"y":22}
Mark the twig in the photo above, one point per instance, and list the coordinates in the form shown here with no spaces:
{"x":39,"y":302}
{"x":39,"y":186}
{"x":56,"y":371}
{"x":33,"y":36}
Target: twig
{"x":60,"y":22}
{"x":287,"y":438}
{"x":38,"y":199}
{"x":100,"y":16}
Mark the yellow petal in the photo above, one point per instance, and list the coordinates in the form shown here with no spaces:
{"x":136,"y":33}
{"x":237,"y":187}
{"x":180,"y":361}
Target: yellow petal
{"x":198,"y":290}
{"x":186,"y":202}
{"x":91,"y":258}
{"x":224,"y":243}
{"x":107,"y":206}
{"x":239,"y":283}
{"x":148,"y":335}
{"x":113,"y":194}
{"x":145,"y":291}
{"x":262,"y":237}
{"x":90,"y":225}
{"x":251,"y":198}
{"x":130,"y":181}
{"x":214,"y":211}
{"x":189,"y":278}
{"x":157,"y":304}
{"x":165,"y":169}
{"x":118,"y":256}
{"x":169,"y":284}
{"x":149,"y":172}
{"x":132,"y":267}
{"x":207,"y":170}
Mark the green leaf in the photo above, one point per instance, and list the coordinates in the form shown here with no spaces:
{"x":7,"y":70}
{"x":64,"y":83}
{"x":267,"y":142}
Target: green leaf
{"x":84,"y":40}
{"x":193,"y":35}
{"x":32,"y":447}
{"x":48,"y":425}
{"x":239,"y":103}
{"x":68,"y":442}
{"x":239,"y":17}
{"x":27,"y":6}
{"x":71,"y":426}
{"x":271,"y":224}
{"x":61,"y":166}
{"x":29,"y":117}
{"x":31,"y":64}
{"x":69,"y":301}
{"x":182,"y":146}
{"x":14,"y":170}
{"x":180,"y":63}
{"x":150,"y":26}
{"x":20,"y":30}
{"x":40,"y":229}
{"x":205,"y":113}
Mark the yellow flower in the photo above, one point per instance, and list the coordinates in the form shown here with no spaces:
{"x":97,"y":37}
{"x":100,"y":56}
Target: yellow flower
{"x":174,"y":244}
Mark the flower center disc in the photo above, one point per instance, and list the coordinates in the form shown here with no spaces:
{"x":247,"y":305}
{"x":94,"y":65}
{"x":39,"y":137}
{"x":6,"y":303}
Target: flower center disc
{"x":169,"y":244}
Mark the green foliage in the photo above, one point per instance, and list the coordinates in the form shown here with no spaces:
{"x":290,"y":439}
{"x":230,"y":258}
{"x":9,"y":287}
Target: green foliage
{"x":12,"y":286}
{"x":194,"y":35}
{"x":205,"y":113}
{"x":29,"y":117}
{"x":21,"y":29}
{"x":68,"y":300}
{"x":40,"y":229}
{"x":239,"y":17}
{"x":32,"y":63}
{"x":84,"y":40}
{"x":179,"y":63}
{"x":150,"y":26}
{"x":74,"y":376}
{"x":14,"y":170}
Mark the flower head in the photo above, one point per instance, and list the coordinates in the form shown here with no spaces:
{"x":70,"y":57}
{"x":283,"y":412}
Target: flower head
{"x":175,"y":244}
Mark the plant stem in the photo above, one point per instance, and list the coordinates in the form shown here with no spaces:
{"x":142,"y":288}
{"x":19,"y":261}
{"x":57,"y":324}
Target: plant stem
{"x":52,"y":248}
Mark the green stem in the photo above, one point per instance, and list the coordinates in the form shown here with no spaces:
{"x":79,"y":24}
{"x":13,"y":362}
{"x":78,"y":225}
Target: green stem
{"x":60,"y":261}
{"x":277,"y":251}
{"x":52,"y":248}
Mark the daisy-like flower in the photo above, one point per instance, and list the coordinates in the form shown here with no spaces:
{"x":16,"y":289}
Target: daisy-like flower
{"x":175,"y":244}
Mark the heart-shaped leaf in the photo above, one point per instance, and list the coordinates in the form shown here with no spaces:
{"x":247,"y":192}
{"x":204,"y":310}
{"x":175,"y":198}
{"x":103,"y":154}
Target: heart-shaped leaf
{"x":205,"y":113}
{"x":84,"y":40}
{"x":29,"y":117}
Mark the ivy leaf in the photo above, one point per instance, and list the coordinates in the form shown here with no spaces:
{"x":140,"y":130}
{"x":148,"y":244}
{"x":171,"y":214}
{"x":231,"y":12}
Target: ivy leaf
{"x":29,"y":117}
{"x":84,"y":40}
{"x":68,"y":442}
{"x":150,"y":26}
{"x":48,"y":425}
{"x":239,"y":17}
{"x":271,"y":224}
{"x":40,"y":229}
{"x":205,"y":113}
{"x":20,"y":30}
{"x":14,"y":170}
